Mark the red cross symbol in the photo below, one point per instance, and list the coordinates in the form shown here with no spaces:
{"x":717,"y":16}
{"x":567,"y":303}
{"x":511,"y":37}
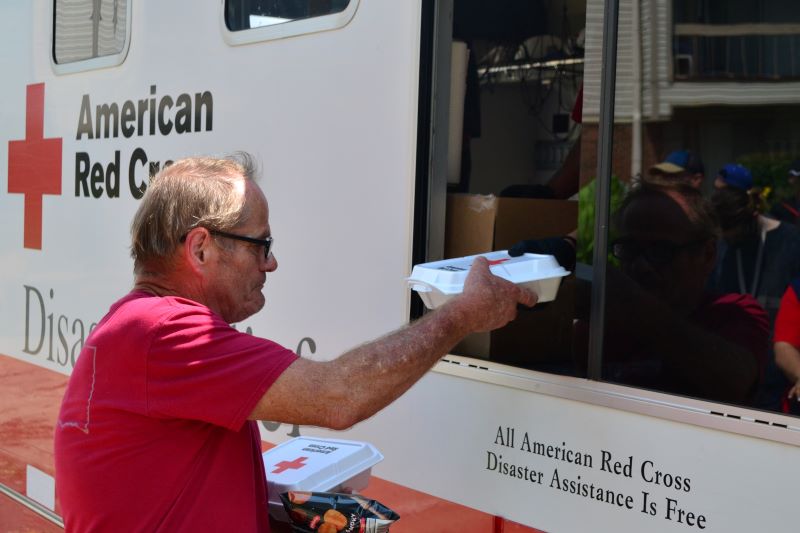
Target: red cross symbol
{"x":286,"y":465}
{"x":34,"y":166}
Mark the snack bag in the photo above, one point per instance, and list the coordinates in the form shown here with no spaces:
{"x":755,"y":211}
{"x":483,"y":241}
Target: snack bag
{"x":329,"y":512}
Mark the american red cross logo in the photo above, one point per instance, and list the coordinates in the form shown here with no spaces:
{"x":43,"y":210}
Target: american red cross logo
{"x":295,"y":464}
{"x":34,"y":166}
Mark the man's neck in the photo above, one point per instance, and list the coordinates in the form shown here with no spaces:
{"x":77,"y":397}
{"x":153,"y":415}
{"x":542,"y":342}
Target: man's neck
{"x":154,"y":287}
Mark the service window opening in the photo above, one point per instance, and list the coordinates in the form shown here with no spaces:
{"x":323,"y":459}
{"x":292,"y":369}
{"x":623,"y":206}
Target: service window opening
{"x":513,"y":161}
{"x":683,"y":315}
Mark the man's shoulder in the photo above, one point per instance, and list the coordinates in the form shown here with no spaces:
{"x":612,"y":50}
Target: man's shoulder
{"x":142,"y":308}
{"x":733,"y":309}
{"x":735,"y":299}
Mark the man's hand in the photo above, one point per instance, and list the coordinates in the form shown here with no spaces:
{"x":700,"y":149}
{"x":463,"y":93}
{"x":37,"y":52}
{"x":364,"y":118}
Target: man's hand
{"x":794,"y":392}
{"x":490,"y":302}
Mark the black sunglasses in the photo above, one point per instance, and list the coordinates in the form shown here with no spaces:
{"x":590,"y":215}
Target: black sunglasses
{"x":266,"y":243}
{"x":656,"y":253}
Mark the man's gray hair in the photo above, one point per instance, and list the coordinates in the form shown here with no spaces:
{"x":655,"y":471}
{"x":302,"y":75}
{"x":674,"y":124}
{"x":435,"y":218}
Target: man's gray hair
{"x":191,"y":192}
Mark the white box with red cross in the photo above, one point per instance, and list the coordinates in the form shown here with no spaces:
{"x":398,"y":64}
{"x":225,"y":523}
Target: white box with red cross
{"x":439,"y":281}
{"x":317,"y":465}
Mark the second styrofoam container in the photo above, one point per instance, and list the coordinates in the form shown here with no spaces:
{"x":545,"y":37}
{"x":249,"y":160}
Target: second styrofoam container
{"x":439,"y":281}
{"x":317,"y":465}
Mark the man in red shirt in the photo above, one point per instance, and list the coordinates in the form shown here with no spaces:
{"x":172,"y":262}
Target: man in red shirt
{"x":157,"y":427}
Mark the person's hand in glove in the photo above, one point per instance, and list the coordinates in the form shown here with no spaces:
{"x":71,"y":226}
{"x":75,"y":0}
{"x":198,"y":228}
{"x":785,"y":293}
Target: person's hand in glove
{"x":562,"y":248}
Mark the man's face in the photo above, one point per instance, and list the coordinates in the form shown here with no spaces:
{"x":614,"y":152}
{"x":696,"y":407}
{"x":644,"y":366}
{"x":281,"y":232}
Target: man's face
{"x":236,"y":280}
{"x":659,"y":252}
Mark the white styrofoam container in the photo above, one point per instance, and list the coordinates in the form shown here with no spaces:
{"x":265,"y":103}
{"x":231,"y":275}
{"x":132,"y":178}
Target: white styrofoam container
{"x":317,"y":465}
{"x":439,"y":281}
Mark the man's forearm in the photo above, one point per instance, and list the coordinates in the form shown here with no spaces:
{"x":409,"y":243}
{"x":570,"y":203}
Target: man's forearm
{"x":391,"y":364}
{"x":362,"y":381}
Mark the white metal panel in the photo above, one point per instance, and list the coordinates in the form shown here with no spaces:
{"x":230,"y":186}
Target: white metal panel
{"x":332,"y":120}
{"x":332,"y":116}
{"x":451,"y":427}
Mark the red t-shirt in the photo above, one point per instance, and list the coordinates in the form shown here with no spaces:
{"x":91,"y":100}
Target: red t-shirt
{"x":738,"y":318}
{"x":153,"y":432}
{"x":787,"y":322}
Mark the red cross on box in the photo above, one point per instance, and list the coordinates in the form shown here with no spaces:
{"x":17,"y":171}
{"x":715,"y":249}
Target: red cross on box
{"x":34,"y":166}
{"x":295,"y":464}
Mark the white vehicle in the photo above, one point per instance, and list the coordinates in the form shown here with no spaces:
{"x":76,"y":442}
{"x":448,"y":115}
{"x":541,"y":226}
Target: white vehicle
{"x":355,"y":109}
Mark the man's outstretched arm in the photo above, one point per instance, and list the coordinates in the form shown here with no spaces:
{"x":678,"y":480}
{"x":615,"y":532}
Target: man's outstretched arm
{"x":339,"y":393}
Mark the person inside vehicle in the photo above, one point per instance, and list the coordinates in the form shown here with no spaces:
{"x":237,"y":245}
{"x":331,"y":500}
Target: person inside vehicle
{"x":758,"y":255}
{"x":157,"y":427}
{"x":787,"y":346}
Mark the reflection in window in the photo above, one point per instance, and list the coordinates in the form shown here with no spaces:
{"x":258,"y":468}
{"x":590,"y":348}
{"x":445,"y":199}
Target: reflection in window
{"x":739,"y":39}
{"x":688,"y":313}
{"x":248,"y":14}
{"x":665,"y":329}
{"x":85,"y":29}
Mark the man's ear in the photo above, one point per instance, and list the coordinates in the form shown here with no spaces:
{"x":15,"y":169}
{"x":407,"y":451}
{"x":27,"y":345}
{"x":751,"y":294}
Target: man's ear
{"x":197,"y":249}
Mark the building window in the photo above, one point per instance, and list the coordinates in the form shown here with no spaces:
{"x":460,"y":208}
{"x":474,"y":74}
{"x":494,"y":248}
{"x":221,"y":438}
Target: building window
{"x":249,"y":14}
{"x":739,"y":39}
{"x":89,"y":29}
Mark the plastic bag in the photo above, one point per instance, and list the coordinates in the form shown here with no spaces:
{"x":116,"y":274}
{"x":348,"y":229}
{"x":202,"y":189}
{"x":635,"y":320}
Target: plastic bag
{"x":330,"y":512}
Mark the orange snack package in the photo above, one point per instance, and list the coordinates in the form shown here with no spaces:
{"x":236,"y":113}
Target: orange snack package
{"x":330,"y":512}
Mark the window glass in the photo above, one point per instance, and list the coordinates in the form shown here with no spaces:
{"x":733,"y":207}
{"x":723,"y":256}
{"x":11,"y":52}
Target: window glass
{"x":248,"y":14}
{"x":701,"y":275}
{"x":514,"y":161}
{"x":704,"y":252}
{"x":86,"y":29}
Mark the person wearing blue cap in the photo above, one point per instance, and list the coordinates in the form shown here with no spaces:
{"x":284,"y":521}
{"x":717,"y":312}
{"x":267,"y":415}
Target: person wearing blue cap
{"x":680,"y":166}
{"x":757,"y":255}
{"x":734,"y":175}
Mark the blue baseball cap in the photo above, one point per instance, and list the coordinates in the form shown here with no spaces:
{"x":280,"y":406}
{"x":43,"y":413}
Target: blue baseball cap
{"x":736,"y":175}
{"x":679,"y":162}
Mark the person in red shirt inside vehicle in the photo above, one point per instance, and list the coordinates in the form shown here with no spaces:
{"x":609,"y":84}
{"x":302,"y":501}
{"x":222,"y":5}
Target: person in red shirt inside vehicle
{"x":157,"y":428}
{"x":787,"y":345}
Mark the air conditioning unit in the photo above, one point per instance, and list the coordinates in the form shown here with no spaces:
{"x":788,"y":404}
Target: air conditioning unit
{"x":683,"y":66}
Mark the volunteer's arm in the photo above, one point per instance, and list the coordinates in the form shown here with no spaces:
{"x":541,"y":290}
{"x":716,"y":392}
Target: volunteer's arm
{"x":339,"y":393}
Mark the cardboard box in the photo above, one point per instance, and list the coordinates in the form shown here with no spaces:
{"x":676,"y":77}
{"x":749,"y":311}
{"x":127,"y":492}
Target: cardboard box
{"x":477,"y":224}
